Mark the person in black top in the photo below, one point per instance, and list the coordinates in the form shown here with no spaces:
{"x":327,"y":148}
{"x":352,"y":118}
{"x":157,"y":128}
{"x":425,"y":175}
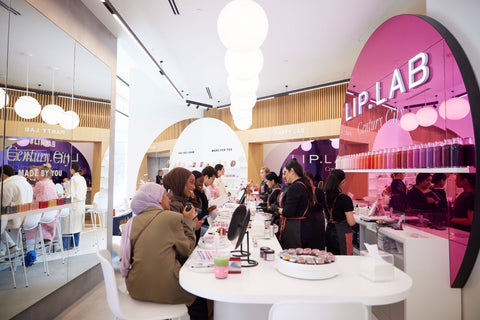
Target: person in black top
{"x":200,"y":202}
{"x":295,"y":204}
{"x":465,"y":202}
{"x":421,"y":197}
{"x":398,"y":196}
{"x":264,"y":189}
{"x":339,"y":214}
{"x":273,"y":182}
{"x":313,"y":228}
{"x":159,"y":177}
{"x":438,"y":181}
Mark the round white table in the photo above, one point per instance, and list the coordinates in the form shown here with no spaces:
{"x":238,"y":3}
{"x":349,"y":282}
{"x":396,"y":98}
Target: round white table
{"x":249,"y":295}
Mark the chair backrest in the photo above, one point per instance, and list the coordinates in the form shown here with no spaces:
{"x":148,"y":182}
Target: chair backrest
{"x":100,"y":202}
{"x":288,"y":310}
{"x":64,"y":212}
{"x":110,"y":282}
{"x":49,"y":216}
{"x":31,"y":221}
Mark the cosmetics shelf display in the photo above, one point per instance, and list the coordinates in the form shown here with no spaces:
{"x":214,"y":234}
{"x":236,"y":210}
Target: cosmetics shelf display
{"x":450,"y":155}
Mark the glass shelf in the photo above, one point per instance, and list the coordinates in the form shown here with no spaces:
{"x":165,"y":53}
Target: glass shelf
{"x":427,"y":170}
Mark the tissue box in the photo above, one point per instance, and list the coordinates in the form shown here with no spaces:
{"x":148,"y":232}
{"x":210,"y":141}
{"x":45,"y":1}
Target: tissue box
{"x":376,"y":269}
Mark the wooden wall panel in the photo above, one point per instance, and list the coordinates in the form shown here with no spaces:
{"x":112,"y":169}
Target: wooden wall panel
{"x":92,"y":114}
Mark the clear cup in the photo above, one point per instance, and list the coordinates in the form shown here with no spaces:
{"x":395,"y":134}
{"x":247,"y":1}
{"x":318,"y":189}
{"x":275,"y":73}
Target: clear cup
{"x":220,"y":264}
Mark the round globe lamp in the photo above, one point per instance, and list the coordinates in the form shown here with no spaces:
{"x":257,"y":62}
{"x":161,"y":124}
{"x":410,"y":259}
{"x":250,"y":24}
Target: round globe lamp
{"x":408,"y":122}
{"x":242,"y":25}
{"x":454,"y":109}
{"x":426,"y":116}
{"x":27,"y":107}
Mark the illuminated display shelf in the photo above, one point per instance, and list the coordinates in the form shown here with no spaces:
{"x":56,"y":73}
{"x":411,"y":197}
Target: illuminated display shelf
{"x":427,"y":170}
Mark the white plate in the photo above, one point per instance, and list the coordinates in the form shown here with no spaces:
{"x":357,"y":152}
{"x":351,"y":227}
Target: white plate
{"x":306,"y":271}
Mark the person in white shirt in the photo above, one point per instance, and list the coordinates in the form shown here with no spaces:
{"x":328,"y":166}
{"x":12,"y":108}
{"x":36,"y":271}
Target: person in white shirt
{"x":210,"y":174}
{"x":16,"y":190}
{"x":218,"y":183}
{"x":73,"y":223}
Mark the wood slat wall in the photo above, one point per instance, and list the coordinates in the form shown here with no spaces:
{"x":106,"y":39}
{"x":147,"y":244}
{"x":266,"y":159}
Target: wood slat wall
{"x":311,"y":106}
{"x":92,"y":114}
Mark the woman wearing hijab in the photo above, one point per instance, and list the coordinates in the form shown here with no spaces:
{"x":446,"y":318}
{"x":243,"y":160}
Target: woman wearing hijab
{"x":154,"y":243}
{"x":339,"y":214}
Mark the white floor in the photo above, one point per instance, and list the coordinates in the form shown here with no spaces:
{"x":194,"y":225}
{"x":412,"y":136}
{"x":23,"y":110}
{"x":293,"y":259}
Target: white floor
{"x":14,"y":300}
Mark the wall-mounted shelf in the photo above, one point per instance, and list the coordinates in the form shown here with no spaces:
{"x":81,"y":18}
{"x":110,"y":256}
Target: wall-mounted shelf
{"x":427,"y":170}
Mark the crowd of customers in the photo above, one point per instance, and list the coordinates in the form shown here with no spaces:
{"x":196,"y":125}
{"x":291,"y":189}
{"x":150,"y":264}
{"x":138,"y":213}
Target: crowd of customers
{"x":172,"y":216}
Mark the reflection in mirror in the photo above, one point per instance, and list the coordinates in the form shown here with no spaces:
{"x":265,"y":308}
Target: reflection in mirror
{"x":407,"y":134}
{"x":56,"y":71}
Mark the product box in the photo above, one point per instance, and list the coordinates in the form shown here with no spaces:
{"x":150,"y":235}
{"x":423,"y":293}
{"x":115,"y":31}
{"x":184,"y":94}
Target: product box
{"x":235,"y":265}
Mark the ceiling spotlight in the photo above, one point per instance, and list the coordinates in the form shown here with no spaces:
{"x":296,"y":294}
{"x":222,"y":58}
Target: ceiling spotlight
{"x":197,"y":107}
{"x":188,"y":104}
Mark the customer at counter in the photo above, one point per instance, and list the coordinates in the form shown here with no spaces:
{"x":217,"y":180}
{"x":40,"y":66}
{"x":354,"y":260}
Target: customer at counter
{"x":313,"y":228}
{"x":200,"y":201}
{"x":157,"y":239}
{"x":264,"y":190}
{"x":15,"y":190}
{"x":339,"y":214}
{"x":465,"y":203}
{"x":180,"y":183}
{"x":438,"y":186}
{"x":218,"y":183}
{"x":273,"y":184}
{"x":295,"y":204}
{"x":421,"y":197}
{"x":398,"y":192}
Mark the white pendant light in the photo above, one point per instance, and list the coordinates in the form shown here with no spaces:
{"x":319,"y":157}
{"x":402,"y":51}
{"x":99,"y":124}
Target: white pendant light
{"x":454,"y":109}
{"x":242,"y":87}
{"x":408,"y":122}
{"x":52,"y":113}
{"x":426,"y":116}
{"x":244,"y":65}
{"x":242,"y":25}
{"x":4,"y":99}
{"x":244,"y":102}
{"x":27,"y":107}
{"x":70,"y":120}
{"x":243,"y":121}
{"x":306,"y":146}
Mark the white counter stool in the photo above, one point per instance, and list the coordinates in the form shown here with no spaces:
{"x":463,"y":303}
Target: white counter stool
{"x":288,"y":310}
{"x":125,"y":307}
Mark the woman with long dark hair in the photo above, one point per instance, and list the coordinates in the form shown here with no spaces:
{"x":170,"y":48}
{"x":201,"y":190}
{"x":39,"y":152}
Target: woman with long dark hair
{"x":313,"y":228}
{"x":339,"y":214}
{"x":295,"y":204}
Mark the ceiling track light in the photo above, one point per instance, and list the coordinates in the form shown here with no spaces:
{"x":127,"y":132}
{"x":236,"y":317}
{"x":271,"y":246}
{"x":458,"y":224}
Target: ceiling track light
{"x":199,"y":104}
{"x":130,"y":32}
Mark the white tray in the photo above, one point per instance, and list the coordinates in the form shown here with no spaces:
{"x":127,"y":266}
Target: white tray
{"x":307,"y":271}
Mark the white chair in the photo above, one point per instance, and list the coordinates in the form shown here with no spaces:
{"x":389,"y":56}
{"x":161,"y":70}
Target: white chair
{"x":125,"y":307}
{"x":288,"y":310}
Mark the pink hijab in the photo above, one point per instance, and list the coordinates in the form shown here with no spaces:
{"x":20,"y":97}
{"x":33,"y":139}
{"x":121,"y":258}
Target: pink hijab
{"x":148,"y":195}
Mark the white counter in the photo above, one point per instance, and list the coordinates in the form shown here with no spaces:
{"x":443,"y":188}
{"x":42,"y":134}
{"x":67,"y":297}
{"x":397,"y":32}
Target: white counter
{"x":254,"y":290}
{"x":425,"y":257}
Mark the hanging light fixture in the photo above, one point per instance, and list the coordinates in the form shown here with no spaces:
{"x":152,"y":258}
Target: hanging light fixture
{"x":26,"y":106}
{"x":242,"y":25}
{"x":408,"y":122}
{"x":242,"y":86}
{"x":244,"y":65}
{"x":4,"y":99}
{"x":426,"y":116}
{"x":70,"y":120}
{"x":454,"y":109}
{"x":52,"y":113}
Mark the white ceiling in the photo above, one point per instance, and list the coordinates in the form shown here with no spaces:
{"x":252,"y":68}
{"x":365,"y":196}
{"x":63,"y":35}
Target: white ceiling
{"x":309,"y":42}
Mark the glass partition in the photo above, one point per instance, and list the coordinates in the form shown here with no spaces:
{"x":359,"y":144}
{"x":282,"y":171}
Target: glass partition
{"x":65,"y":122}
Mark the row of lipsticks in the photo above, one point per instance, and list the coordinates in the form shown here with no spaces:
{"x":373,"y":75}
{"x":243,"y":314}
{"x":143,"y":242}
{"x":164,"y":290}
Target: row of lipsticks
{"x":450,"y":153}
